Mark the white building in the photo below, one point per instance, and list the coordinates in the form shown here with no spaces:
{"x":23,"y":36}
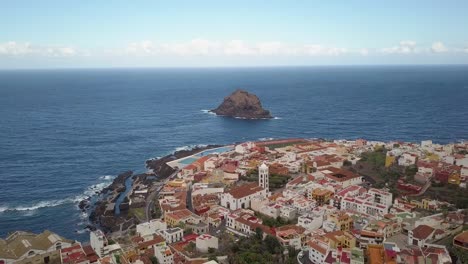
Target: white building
{"x":98,"y":242}
{"x":163,"y":254}
{"x":241,"y":196}
{"x":172,"y":235}
{"x":244,"y":147}
{"x":288,"y":212}
{"x":407,"y":159}
{"x":310,"y":221}
{"x":204,"y":242}
{"x":420,"y":235}
{"x":318,"y":250}
{"x":150,"y":228}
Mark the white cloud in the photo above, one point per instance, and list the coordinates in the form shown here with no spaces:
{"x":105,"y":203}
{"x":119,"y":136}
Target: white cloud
{"x":13,"y":48}
{"x":231,"y":48}
{"x":404,"y":47}
{"x":438,"y":47}
{"x":364,"y":52}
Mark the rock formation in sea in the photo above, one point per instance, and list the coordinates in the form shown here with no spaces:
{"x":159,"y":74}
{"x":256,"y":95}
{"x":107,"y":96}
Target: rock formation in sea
{"x":242,"y":104}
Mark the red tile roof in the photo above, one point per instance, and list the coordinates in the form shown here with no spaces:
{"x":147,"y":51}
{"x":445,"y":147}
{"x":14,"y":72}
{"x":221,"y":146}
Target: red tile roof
{"x":422,"y":231}
{"x":245,"y":190}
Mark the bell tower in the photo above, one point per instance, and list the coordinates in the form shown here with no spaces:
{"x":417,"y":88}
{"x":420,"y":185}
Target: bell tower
{"x":263,"y":180}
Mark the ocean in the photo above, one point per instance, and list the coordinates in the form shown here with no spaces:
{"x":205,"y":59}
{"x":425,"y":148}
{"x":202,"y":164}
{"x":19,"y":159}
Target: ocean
{"x":65,"y":134}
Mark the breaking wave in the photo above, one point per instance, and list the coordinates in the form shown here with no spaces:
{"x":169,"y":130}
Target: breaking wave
{"x":189,"y":147}
{"x":89,"y":192}
{"x":207,"y":112}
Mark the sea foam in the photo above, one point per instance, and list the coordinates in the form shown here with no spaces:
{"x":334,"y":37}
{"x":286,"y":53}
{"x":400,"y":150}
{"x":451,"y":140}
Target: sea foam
{"x":89,"y":192}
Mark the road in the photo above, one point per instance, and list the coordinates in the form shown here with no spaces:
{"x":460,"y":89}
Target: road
{"x":154,"y":193}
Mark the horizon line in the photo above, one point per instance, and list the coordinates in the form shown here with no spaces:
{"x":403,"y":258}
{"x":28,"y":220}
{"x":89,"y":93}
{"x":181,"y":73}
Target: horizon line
{"x":230,"y":67}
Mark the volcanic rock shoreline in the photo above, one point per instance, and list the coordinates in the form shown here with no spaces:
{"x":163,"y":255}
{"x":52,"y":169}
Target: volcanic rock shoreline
{"x":104,"y":218}
{"x":242,"y":104}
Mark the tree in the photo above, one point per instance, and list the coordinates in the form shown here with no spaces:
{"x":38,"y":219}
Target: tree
{"x":259,"y":233}
{"x":272,"y":244}
{"x":154,"y":260}
{"x":211,"y":250}
{"x":190,"y":247}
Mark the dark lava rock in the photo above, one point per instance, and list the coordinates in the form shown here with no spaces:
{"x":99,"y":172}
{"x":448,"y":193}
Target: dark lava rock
{"x":242,"y":104}
{"x":161,"y":169}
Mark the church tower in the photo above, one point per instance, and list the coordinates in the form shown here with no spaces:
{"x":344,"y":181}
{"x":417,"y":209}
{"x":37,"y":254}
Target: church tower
{"x":263,"y":176}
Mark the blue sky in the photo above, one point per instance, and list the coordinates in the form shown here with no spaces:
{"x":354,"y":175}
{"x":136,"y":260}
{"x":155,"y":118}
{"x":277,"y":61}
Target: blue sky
{"x":56,"y":34}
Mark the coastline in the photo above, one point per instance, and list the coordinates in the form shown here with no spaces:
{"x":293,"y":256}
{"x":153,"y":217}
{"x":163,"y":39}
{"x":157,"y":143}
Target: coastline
{"x":103,"y":211}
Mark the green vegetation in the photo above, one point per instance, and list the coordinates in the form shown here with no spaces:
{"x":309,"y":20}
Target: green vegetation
{"x":410,"y":171}
{"x":138,"y":213}
{"x":157,"y":210}
{"x":274,"y":222}
{"x":190,"y":247}
{"x":254,"y":250}
{"x":376,"y":158}
{"x":154,"y":260}
{"x":448,"y":192}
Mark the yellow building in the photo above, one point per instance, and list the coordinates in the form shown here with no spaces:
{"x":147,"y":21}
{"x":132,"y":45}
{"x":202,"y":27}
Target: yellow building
{"x":389,"y":160}
{"x":454,"y":178}
{"x":342,"y":220}
{"x":322,"y":196}
{"x":176,"y":217}
{"x":341,"y":239}
{"x":176,"y":183}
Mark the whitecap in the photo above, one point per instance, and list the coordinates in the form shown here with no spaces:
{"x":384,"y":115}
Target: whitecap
{"x":208,"y":112}
{"x":41,"y":204}
{"x":266,"y":139}
{"x":106,"y":177}
{"x":82,"y":231}
{"x":89,"y":192}
{"x":189,"y":147}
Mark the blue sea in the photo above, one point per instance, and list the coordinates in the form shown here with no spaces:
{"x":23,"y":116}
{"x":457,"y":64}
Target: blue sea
{"x":65,"y":134}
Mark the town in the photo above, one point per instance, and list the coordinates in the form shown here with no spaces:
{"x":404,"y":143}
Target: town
{"x":282,"y":201}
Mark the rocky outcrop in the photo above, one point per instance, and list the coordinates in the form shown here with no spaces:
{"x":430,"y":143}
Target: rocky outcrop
{"x":242,"y":104}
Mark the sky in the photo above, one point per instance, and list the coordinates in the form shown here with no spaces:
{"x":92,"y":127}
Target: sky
{"x":103,"y":34}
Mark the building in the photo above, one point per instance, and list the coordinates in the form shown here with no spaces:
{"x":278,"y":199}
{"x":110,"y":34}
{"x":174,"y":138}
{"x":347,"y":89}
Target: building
{"x":291,"y":235}
{"x":163,"y":254}
{"x":182,"y":216}
{"x":461,"y":240}
{"x":205,"y":242}
{"x":244,"y":222}
{"x":322,"y":196}
{"x":172,"y":235}
{"x":74,"y":255}
{"x":263,"y":180}
{"x":310,"y":221}
{"x":100,"y":244}
{"x":318,"y":250}
{"x":241,"y":196}
{"x":377,"y":254}
{"x":342,"y":221}
{"x":43,"y":247}
{"x":420,"y":235}
{"x":342,"y":177}
{"x":150,"y":228}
